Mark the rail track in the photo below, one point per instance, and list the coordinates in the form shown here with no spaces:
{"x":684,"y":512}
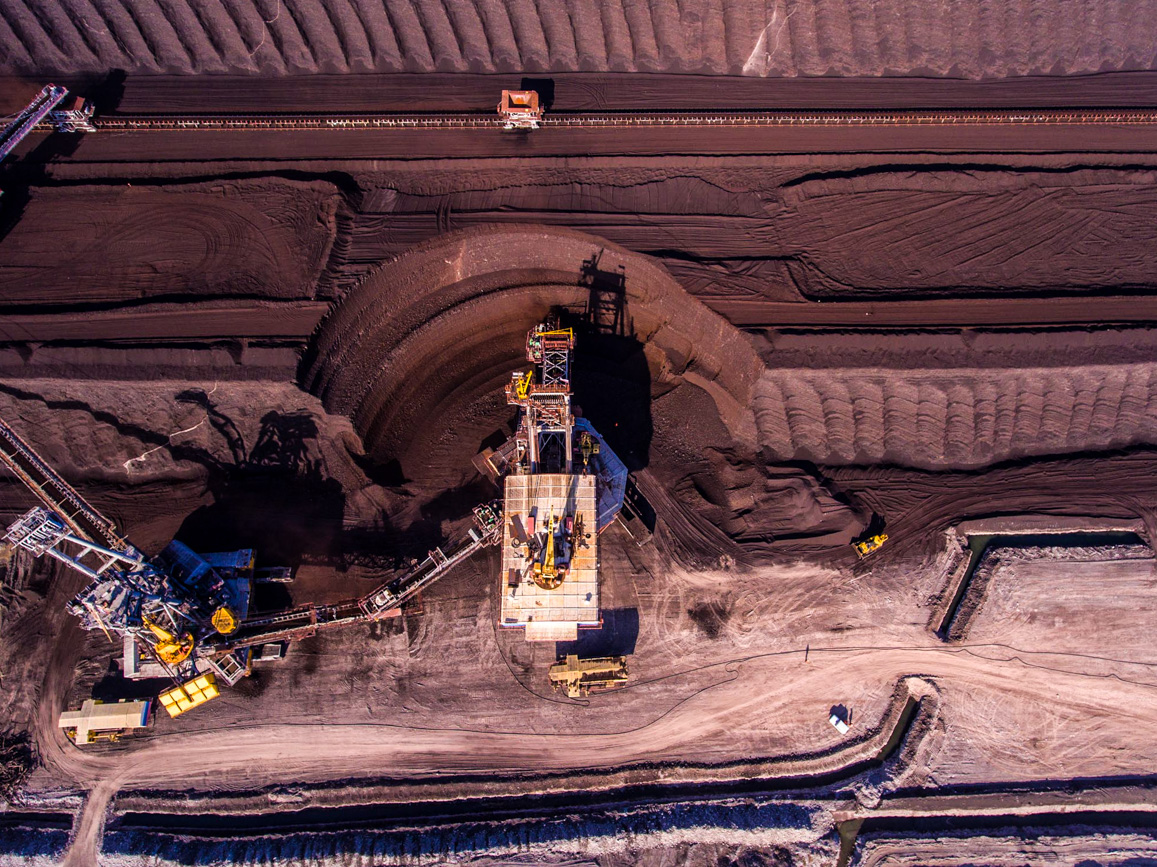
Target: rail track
{"x":458,"y":121}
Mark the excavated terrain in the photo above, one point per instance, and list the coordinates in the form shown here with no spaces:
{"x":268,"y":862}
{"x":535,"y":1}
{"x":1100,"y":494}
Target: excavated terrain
{"x":974,"y":39}
{"x":297,"y":343}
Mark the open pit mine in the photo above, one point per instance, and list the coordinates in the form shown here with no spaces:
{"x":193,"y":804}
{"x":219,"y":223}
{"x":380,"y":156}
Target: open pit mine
{"x":605,"y":434}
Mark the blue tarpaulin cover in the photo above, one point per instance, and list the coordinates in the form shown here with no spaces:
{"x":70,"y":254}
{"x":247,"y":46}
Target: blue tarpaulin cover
{"x":611,"y":474}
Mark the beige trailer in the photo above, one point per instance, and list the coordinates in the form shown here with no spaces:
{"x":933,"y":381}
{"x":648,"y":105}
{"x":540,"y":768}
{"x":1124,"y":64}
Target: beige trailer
{"x":580,"y":677}
{"x":96,"y":720}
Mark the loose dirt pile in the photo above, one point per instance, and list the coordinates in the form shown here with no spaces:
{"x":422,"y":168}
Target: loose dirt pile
{"x":954,"y":419}
{"x":977,"y":39}
{"x":1007,"y":847}
{"x":760,"y":832}
{"x":750,"y":228}
{"x":827,"y":233}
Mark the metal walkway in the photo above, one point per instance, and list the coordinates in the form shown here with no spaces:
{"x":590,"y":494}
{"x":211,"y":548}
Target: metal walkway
{"x":56,"y":494}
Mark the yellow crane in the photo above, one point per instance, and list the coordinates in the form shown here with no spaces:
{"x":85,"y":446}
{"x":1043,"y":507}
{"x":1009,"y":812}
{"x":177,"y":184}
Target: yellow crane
{"x":547,"y":573}
{"x":170,"y":648}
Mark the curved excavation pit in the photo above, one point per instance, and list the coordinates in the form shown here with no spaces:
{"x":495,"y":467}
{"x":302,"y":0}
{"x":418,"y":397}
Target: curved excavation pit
{"x":445,"y":324}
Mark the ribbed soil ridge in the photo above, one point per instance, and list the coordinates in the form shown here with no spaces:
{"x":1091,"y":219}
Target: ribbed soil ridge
{"x":961,"y":418}
{"x":969,"y":39}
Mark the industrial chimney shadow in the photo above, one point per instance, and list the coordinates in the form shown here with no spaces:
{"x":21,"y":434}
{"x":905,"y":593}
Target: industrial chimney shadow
{"x":609,"y":372}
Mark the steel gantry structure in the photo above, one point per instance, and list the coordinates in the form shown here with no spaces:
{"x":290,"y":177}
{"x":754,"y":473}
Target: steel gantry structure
{"x":45,"y":109}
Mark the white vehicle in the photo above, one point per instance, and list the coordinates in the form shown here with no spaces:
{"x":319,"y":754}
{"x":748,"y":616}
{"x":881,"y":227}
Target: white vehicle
{"x":841,"y":726}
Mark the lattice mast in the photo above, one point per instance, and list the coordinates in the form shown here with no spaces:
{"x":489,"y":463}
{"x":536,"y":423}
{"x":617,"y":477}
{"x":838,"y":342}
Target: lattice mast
{"x":127,"y":594}
{"x":545,"y":437}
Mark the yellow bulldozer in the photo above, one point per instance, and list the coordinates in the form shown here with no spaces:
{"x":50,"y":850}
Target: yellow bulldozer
{"x":866,"y":546}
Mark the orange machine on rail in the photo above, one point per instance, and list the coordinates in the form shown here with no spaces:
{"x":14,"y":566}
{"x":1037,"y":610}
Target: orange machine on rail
{"x":519,"y":109}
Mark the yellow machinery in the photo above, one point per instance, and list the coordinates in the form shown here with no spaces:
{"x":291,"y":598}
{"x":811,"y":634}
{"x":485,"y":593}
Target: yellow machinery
{"x":225,"y":620}
{"x":870,"y":544}
{"x":580,"y":677}
{"x":94,"y":737}
{"x":170,"y":648}
{"x":589,"y":447}
{"x":189,"y":695}
{"x":547,"y":573}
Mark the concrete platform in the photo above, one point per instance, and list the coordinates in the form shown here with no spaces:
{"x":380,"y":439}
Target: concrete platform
{"x":550,"y":615}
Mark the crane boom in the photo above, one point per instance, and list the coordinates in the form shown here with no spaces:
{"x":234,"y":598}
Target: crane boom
{"x":306,"y":620}
{"x":33,"y":113}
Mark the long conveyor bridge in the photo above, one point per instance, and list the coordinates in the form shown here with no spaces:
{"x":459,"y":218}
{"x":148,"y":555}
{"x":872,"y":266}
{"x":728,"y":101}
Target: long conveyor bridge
{"x":55,"y":493}
{"x":384,"y":601}
{"x":209,"y":122}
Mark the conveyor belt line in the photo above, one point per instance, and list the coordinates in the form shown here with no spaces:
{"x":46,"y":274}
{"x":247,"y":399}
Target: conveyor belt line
{"x":291,"y":122}
{"x":55,"y":493}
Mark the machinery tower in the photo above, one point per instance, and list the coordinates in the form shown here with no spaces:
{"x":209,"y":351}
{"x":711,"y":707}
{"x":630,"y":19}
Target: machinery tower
{"x":562,"y":485}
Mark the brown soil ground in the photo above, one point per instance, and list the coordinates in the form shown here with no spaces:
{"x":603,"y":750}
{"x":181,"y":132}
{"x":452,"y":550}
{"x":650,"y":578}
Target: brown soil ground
{"x":997,"y":849}
{"x":257,"y":239}
{"x":975,"y":39}
{"x":304,"y":356}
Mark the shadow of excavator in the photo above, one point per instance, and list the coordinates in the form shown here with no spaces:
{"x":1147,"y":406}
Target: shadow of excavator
{"x":271,"y":497}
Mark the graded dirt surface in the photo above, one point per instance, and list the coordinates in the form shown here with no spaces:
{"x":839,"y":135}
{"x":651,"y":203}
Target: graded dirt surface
{"x":265,"y":239}
{"x":302,"y":355}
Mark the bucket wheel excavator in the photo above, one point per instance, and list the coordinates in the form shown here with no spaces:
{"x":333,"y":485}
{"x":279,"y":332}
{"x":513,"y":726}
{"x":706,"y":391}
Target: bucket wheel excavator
{"x":163,"y":609}
{"x":182,"y":615}
{"x":186,"y":616}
